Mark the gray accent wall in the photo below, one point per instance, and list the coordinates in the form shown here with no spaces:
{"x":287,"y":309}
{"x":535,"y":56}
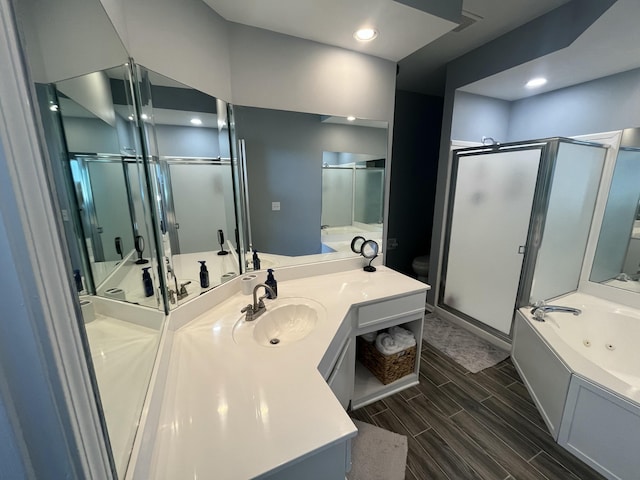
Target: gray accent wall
{"x":476,"y":116}
{"x":176,"y":141}
{"x":284,"y":162}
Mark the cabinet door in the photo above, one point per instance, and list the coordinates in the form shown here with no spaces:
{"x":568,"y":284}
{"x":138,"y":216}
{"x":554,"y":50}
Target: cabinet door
{"x":343,"y":375}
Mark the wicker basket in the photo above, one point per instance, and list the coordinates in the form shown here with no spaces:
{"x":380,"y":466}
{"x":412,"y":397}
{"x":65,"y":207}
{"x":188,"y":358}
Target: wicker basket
{"x":386,"y":368}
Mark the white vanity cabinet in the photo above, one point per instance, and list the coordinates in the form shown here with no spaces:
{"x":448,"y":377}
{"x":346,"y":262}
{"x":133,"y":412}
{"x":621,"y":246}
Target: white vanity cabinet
{"x":406,"y":311}
{"x":338,"y":364}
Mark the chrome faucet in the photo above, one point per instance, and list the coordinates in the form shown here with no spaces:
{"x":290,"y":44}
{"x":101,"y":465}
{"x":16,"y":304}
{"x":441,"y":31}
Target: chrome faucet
{"x":540,"y":310}
{"x":258,"y":308}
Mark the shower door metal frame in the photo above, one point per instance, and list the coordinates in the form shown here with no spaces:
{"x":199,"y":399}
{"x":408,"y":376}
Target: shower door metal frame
{"x":543,"y":172}
{"x":541,"y":197}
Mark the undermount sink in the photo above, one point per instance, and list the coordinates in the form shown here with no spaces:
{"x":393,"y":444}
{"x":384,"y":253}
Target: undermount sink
{"x":286,"y":321}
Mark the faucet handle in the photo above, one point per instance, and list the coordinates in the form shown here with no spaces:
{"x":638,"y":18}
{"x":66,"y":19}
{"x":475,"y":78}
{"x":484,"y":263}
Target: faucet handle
{"x":248,"y":308}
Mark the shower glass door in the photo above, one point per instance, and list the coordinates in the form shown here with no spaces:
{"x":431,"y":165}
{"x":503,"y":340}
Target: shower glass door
{"x":489,"y":215}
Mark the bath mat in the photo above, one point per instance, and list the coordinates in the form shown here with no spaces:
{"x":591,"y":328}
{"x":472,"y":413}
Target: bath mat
{"x":377,"y":454}
{"x":466,"y":349}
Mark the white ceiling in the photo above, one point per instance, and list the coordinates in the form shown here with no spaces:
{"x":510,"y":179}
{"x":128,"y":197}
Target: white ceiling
{"x":609,"y":46}
{"x":424,"y":71}
{"x":402,"y":29}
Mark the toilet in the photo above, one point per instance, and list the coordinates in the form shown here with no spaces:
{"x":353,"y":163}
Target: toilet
{"x":420,"y":266}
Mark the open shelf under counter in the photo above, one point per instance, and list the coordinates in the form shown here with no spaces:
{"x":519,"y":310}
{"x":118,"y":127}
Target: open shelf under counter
{"x":368,"y":389}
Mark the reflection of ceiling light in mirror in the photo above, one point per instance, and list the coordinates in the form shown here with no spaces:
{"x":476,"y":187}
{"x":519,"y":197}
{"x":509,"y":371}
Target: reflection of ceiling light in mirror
{"x":536,"y":82}
{"x":221,"y":123}
{"x":53,"y":108}
{"x":351,"y":118}
{"x":130,"y":117}
{"x":144,"y":116}
{"x":196,"y":121}
{"x":365,"y":34}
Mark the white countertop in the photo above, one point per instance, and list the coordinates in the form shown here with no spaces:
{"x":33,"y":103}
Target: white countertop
{"x":238,"y":411}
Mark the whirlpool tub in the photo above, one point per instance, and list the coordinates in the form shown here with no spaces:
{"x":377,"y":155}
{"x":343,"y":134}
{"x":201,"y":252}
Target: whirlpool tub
{"x":583,"y":373}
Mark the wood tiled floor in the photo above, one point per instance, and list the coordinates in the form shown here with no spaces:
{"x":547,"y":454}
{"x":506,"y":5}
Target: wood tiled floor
{"x":462,"y":425}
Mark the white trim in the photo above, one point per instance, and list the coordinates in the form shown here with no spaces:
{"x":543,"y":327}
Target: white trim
{"x":36,"y":231}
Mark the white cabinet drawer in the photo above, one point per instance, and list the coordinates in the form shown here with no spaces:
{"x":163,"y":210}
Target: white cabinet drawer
{"x":387,"y":310}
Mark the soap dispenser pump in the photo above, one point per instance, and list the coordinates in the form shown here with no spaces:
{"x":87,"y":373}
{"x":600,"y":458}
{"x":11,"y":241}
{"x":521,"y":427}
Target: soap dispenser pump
{"x":204,"y":274}
{"x":147,"y":282}
{"x":271,"y":281}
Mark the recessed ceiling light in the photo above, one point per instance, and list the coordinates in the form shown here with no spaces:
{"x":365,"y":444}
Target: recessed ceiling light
{"x":536,"y":82}
{"x":351,"y":118}
{"x":365,"y":34}
{"x":144,"y":116}
{"x":196,"y":121}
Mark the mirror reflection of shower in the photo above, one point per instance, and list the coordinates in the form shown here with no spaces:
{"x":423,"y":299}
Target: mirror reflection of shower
{"x":352,"y":198}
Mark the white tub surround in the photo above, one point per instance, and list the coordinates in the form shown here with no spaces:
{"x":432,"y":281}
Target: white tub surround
{"x":583,"y":373}
{"x":240,"y":411}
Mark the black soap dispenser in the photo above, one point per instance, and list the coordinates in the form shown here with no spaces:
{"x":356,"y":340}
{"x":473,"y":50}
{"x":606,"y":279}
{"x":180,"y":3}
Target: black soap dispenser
{"x":77,"y":277}
{"x":204,"y":274}
{"x":256,"y":261}
{"x":147,"y":282}
{"x":271,"y":282}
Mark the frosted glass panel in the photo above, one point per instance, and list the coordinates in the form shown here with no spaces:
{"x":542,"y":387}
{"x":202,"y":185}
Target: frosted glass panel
{"x":618,"y":221}
{"x":369,"y":197}
{"x":112,"y":206}
{"x":490,"y":220}
{"x":199,"y":189}
{"x":572,"y":199}
{"x":337,"y":196}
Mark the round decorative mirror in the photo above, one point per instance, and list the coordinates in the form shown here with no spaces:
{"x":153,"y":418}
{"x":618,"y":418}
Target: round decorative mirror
{"x":369,"y":250}
{"x":357,"y":243}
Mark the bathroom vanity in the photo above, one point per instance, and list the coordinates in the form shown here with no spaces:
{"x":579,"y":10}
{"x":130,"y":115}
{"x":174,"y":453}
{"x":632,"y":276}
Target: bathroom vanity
{"x":239,"y":408}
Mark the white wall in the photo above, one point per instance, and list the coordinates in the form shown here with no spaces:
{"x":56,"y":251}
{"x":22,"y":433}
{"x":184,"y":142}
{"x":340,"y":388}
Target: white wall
{"x":277,"y":71}
{"x":69,"y":38}
{"x":184,"y":40}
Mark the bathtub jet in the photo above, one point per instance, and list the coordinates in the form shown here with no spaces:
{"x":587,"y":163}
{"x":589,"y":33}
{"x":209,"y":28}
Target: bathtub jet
{"x":539,"y":311}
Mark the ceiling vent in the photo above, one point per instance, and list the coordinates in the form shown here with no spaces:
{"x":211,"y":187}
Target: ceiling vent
{"x":466,"y":20}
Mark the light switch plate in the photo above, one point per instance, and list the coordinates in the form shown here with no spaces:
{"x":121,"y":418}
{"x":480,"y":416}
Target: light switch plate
{"x":275,"y":206}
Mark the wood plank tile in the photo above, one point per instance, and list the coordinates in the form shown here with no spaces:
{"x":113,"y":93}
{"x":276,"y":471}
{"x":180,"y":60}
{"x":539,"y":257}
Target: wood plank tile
{"x":551,"y":469}
{"x":523,"y":446}
{"x":390,"y":421}
{"x":410,"y":392}
{"x":499,"y":376}
{"x":408,"y":475}
{"x":375,"y":407}
{"x":447,"y":459}
{"x":496,"y":447}
{"x":542,"y":439}
{"x":440,"y":399}
{"x":429,"y":349}
{"x":444,"y":364}
{"x":361,"y":414}
{"x":407,"y":415}
{"x":508,"y":368}
{"x":432,"y":373}
{"x":461,"y":443}
{"x":519,"y":389}
{"x":511,"y":399}
{"x":422,"y":464}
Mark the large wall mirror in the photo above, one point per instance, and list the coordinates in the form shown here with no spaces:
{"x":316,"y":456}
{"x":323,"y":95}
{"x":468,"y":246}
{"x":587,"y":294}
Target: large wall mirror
{"x":617,"y":258}
{"x":187,"y":139}
{"x":313,"y":182}
{"x":85,"y":98}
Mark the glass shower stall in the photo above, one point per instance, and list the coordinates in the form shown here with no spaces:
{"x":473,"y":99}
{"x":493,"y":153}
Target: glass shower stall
{"x":518,"y":221}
